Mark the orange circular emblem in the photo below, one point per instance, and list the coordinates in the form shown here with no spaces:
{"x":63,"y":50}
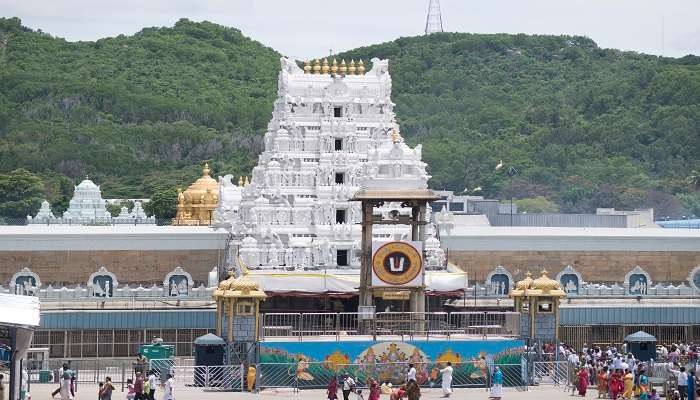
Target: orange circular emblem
{"x":396,"y":263}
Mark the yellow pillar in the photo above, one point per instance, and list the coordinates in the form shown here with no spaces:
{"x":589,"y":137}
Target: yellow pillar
{"x":219,"y":316}
{"x":230,"y":320}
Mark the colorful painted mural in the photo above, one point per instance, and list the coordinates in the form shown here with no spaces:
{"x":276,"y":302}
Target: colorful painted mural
{"x":311,"y":364}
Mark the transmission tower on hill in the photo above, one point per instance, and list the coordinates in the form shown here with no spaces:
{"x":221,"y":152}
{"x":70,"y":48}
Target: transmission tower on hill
{"x":434,"y":21}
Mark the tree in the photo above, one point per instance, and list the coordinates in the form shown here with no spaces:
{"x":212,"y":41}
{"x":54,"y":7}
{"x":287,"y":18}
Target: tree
{"x":20,"y":193}
{"x":539,"y":204}
{"x":694,"y":179}
{"x":163,"y":204}
{"x":114,"y":209}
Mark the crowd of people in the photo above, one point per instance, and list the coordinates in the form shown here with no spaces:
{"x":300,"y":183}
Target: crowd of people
{"x":143,"y":387}
{"x":410,"y":389}
{"x":618,"y":375}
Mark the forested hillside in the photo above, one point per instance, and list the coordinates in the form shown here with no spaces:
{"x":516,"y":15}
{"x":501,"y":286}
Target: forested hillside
{"x":584,"y":127}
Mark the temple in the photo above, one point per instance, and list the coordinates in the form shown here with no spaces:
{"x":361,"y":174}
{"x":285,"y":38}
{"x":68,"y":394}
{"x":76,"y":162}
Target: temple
{"x":196,"y":205}
{"x":87,"y":207}
{"x":332,"y":130}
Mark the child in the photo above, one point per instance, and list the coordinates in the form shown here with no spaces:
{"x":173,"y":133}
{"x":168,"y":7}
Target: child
{"x":99,"y":389}
{"x":130,"y":391}
{"x":654,"y":395}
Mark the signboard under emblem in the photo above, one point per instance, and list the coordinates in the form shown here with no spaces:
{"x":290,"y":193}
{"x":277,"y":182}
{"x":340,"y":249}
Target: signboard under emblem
{"x":397,"y":264}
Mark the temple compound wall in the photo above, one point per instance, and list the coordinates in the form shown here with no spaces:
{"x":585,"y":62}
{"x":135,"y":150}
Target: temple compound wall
{"x":597,"y":254}
{"x":69,"y":255}
{"x":595,"y":266}
{"x":130,"y":266}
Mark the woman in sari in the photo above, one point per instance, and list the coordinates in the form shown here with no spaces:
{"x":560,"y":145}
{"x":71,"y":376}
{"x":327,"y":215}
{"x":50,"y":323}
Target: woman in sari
{"x":629,"y":385}
{"x":643,"y":386}
{"x":583,"y":378}
{"x":332,"y":389}
{"x":602,"y":378}
{"x":615,"y":384}
{"x":374,"y":391}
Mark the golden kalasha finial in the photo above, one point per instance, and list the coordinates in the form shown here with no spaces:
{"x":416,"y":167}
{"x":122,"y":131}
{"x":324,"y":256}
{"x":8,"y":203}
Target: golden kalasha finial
{"x":307,"y":67}
{"x":334,"y":66}
{"x":360,"y":68}
{"x":395,"y":137}
{"x":317,"y":67}
{"x":351,"y":68}
{"x":247,"y":182}
{"x":343,"y":69}
{"x":240,"y":181}
{"x":324,"y":67}
{"x":205,"y":170}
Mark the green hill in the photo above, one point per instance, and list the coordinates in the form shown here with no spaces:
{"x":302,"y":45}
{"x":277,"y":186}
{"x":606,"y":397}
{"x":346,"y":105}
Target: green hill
{"x":585,"y":127}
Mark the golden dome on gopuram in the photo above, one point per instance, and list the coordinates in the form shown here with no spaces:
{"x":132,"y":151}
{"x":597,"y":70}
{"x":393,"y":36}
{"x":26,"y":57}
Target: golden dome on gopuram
{"x":196,"y":205}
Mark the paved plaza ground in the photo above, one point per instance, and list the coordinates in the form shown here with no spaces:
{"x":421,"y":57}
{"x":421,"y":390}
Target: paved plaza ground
{"x":43,"y":392}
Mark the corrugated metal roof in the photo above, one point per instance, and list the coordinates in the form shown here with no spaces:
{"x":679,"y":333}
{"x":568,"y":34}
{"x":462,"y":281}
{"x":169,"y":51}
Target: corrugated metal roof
{"x":678,"y":315}
{"x":175,"y":319}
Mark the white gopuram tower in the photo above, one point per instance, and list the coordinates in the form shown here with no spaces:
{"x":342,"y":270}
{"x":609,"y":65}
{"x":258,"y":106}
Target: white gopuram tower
{"x":296,"y":213}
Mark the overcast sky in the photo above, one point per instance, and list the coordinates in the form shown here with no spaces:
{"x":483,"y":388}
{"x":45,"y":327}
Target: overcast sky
{"x":305,"y":29}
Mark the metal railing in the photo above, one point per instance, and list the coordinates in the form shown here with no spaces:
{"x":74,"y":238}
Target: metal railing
{"x":474,"y":373}
{"x":216,"y":377}
{"x":404,"y":324}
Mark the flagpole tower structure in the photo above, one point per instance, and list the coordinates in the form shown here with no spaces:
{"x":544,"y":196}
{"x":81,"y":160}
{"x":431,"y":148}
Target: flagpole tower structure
{"x":434,"y":21}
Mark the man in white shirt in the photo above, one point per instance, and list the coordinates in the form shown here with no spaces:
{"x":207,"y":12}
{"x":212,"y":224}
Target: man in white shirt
{"x":447,"y":380}
{"x":348,"y":386}
{"x":682,"y":378}
{"x":151,"y":385}
{"x":168,"y":389}
{"x":411,"y":373}
{"x":573,"y":359}
{"x":617,"y":362}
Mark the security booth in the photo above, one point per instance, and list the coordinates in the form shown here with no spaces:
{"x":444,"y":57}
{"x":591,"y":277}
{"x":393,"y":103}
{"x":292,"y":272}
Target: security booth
{"x":642,"y":345}
{"x":209,"y":351}
{"x":19,"y":317}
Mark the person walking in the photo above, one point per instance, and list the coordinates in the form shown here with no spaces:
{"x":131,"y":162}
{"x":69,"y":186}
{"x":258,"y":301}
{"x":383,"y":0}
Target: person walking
{"x":497,"y":384}
{"x":643,"y":386}
{"x":411,"y":373}
{"x":64,"y":367}
{"x":168,"y":393}
{"x":66,"y":383}
{"x":106,"y":389}
{"x":628,"y":380}
{"x":374,"y":391}
{"x":602,"y":383}
{"x":152,"y":385}
{"x":332,"y":389}
{"x":348,"y":386}
{"x":138,"y":387}
{"x":583,"y":378}
{"x":447,"y":380}
{"x":682,"y":378}
{"x":691,"y":385}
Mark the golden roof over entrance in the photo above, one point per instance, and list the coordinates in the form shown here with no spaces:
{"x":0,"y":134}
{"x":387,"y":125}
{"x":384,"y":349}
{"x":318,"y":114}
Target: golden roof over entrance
{"x":196,"y":205}
{"x":542,"y":286}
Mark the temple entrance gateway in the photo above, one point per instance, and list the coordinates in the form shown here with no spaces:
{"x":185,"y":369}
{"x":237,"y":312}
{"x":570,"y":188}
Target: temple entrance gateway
{"x":394,"y":270}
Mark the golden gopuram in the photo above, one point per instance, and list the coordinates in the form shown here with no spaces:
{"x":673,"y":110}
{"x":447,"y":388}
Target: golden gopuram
{"x":196,"y":205}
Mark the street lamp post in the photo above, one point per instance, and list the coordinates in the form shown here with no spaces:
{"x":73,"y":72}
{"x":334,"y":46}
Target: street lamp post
{"x":511,"y":171}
